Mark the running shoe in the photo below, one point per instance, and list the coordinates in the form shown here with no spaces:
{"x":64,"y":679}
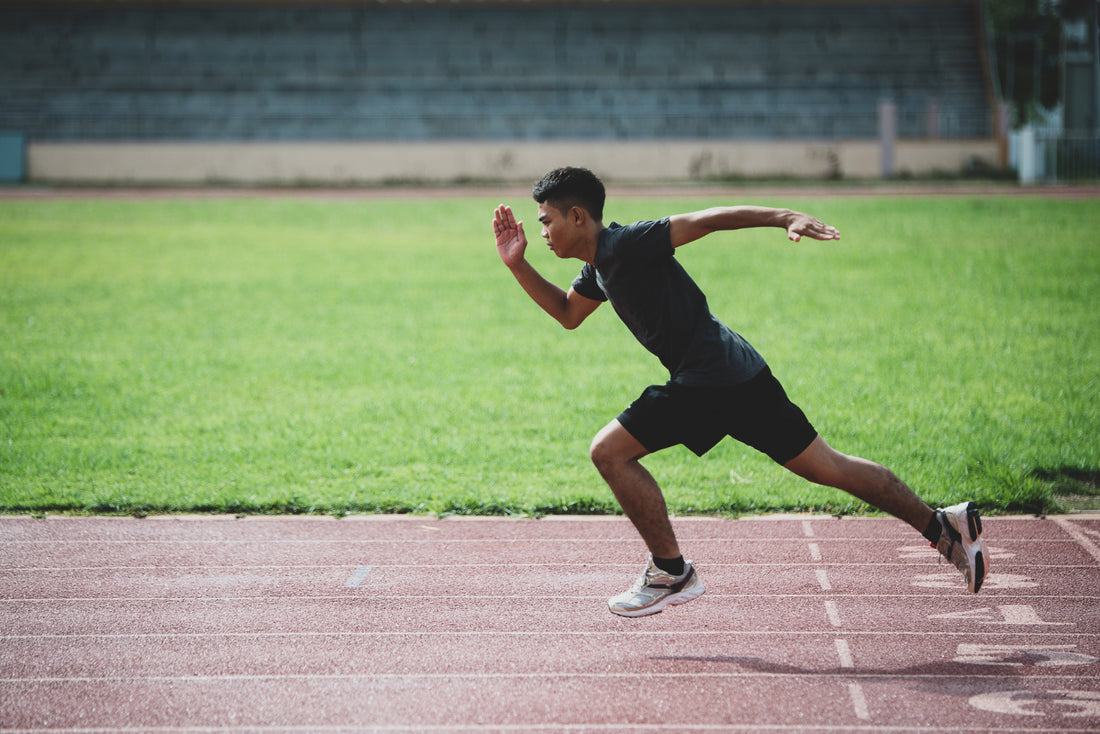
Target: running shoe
{"x":961,"y":542}
{"x":654,"y":590}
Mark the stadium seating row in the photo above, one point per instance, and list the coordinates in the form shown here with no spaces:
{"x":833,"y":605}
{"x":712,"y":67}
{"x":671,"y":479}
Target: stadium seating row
{"x":378,"y":72}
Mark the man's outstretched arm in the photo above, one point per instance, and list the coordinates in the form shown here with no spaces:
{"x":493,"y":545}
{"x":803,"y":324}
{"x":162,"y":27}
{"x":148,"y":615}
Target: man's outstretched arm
{"x":689,"y":227}
{"x":570,"y":308}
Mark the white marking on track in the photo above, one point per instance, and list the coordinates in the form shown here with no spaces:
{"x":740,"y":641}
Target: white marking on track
{"x":859,"y":701}
{"x":926,"y":552}
{"x":1024,"y":614}
{"x":832,"y":613}
{"x":844,"y":652}
{"x":1015,"y":614}
{"x":1066,"y":703}
{"x":807,"y":529}
{"x":671,"y":634}
{"x":358,"y":577}
{"x":823,"y":579}
{"x":1078,"y":535}
{"x":855,"y":690}
{"x":952,"y":579}
{"x":1005,"y":702}
{"x":1038,"y":655}
{"x":815,"y":552}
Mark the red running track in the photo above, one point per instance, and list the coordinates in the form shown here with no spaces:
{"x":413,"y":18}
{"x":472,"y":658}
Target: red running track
{"x":402,"y":624}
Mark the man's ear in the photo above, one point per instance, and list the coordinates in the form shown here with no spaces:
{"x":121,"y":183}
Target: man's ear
{"x":578,"y":214}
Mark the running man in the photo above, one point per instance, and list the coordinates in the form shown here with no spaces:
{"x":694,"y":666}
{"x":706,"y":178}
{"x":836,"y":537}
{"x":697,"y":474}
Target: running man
{"x":718,"y":384}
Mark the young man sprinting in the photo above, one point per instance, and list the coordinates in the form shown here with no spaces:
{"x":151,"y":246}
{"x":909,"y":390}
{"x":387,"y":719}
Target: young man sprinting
{"x":718,"y":384}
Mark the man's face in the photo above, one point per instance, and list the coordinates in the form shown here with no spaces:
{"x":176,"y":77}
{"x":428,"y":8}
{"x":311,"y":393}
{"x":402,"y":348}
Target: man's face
{"x":560,"y":230}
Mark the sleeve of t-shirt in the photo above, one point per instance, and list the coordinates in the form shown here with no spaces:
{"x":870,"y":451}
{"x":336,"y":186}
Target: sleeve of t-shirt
{"x":585,"y":284}
{"x":646,"y":240}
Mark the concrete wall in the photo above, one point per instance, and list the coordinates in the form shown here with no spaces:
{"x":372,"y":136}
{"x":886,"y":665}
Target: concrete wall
{"x":444,"y":162}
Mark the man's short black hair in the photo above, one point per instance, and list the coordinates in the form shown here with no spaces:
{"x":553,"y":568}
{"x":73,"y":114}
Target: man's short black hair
{"x":564,"y":188}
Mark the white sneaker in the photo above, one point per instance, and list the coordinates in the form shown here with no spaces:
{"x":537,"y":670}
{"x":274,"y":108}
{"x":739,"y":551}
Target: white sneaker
{"x":655,"y":590}
{"x":961,"y":542}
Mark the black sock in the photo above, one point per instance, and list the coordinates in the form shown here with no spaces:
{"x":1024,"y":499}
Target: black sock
{"x":934,"y":529}
{"x":671,"y":566}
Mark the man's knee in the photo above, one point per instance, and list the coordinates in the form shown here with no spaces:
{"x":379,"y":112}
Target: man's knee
{"x":614,"y":446}
{"x":602,"y":452}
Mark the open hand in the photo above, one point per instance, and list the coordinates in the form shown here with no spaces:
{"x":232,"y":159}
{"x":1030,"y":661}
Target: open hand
{"x":803,"y":225}
{"x":511,"y":241}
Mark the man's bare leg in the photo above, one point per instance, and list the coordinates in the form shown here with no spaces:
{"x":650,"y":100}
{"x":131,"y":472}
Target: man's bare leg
{"x":616,"y":455}
{"x":955,"y":531}
{"x":873,"y":483}
{"x":668,"y":579}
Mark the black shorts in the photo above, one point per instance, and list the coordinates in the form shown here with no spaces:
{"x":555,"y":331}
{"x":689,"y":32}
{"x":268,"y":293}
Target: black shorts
{"x":757,"y":413}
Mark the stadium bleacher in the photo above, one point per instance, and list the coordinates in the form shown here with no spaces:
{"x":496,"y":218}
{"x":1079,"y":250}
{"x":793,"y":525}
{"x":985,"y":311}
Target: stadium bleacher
{"x":122,"y":71}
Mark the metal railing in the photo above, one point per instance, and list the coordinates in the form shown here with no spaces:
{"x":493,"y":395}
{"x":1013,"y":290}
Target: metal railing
{"x":1050,"y":156}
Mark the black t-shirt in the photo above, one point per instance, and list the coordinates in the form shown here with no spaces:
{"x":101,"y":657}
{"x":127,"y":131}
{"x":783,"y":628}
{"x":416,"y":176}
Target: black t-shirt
{"x":635,"y":270}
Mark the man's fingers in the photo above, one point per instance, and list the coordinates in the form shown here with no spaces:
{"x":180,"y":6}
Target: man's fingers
{"x":503,"y":219}
{"x":817,"y":230}
{"x":827,"y":231}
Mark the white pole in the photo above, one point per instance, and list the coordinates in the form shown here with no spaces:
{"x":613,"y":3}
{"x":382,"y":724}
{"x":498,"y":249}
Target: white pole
{"x":1026,"y":154}
{"x":887,"y":133}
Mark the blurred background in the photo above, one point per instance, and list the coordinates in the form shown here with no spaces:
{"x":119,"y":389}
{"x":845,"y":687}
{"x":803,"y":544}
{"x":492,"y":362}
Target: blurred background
{"x":264,"y":92}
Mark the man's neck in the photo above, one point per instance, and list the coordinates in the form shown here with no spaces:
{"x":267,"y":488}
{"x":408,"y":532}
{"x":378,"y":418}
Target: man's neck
{"x":588,"y":252}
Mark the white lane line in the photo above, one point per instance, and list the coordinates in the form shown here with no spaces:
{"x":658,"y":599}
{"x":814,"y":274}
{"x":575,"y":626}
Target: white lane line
{"x":1079,"y":536}
{"x":844,"y":652}
{"x":755,"y":728}
{"x":807,"y":532}
{"x":823,"y":579}
{"x":267,"y":541}
{"x":997,"y":635}
{"x":859,"y":701}
{"x":815,"y":551}
{"x":460,"y":675}
{"x":855,"y":690}
{"x":1007,"y":616}
{"x":832,"y":614}
{"x":83,"y":570}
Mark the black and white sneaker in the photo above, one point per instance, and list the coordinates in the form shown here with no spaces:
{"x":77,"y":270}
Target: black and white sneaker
{"x":961,"y":542}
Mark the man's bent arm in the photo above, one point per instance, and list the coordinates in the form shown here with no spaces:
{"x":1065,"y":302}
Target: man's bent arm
{"x":570,"y":308}
{"x":685,"y":228}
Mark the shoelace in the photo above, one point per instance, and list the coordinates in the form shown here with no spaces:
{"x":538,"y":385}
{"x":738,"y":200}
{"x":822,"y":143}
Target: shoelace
{"x":952,"y":536}
{"x":965,"y":568}
{"x":950,"y":550}
{"x":641,"y":582}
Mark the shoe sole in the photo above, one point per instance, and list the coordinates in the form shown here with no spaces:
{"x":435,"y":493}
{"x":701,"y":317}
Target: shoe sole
{"x":973,"y":521}
{"x":671,"y":600}
{"x":977,"y":555}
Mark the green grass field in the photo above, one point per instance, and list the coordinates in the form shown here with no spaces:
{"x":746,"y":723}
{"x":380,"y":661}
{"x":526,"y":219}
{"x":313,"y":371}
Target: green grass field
{"x":282,"y":355}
